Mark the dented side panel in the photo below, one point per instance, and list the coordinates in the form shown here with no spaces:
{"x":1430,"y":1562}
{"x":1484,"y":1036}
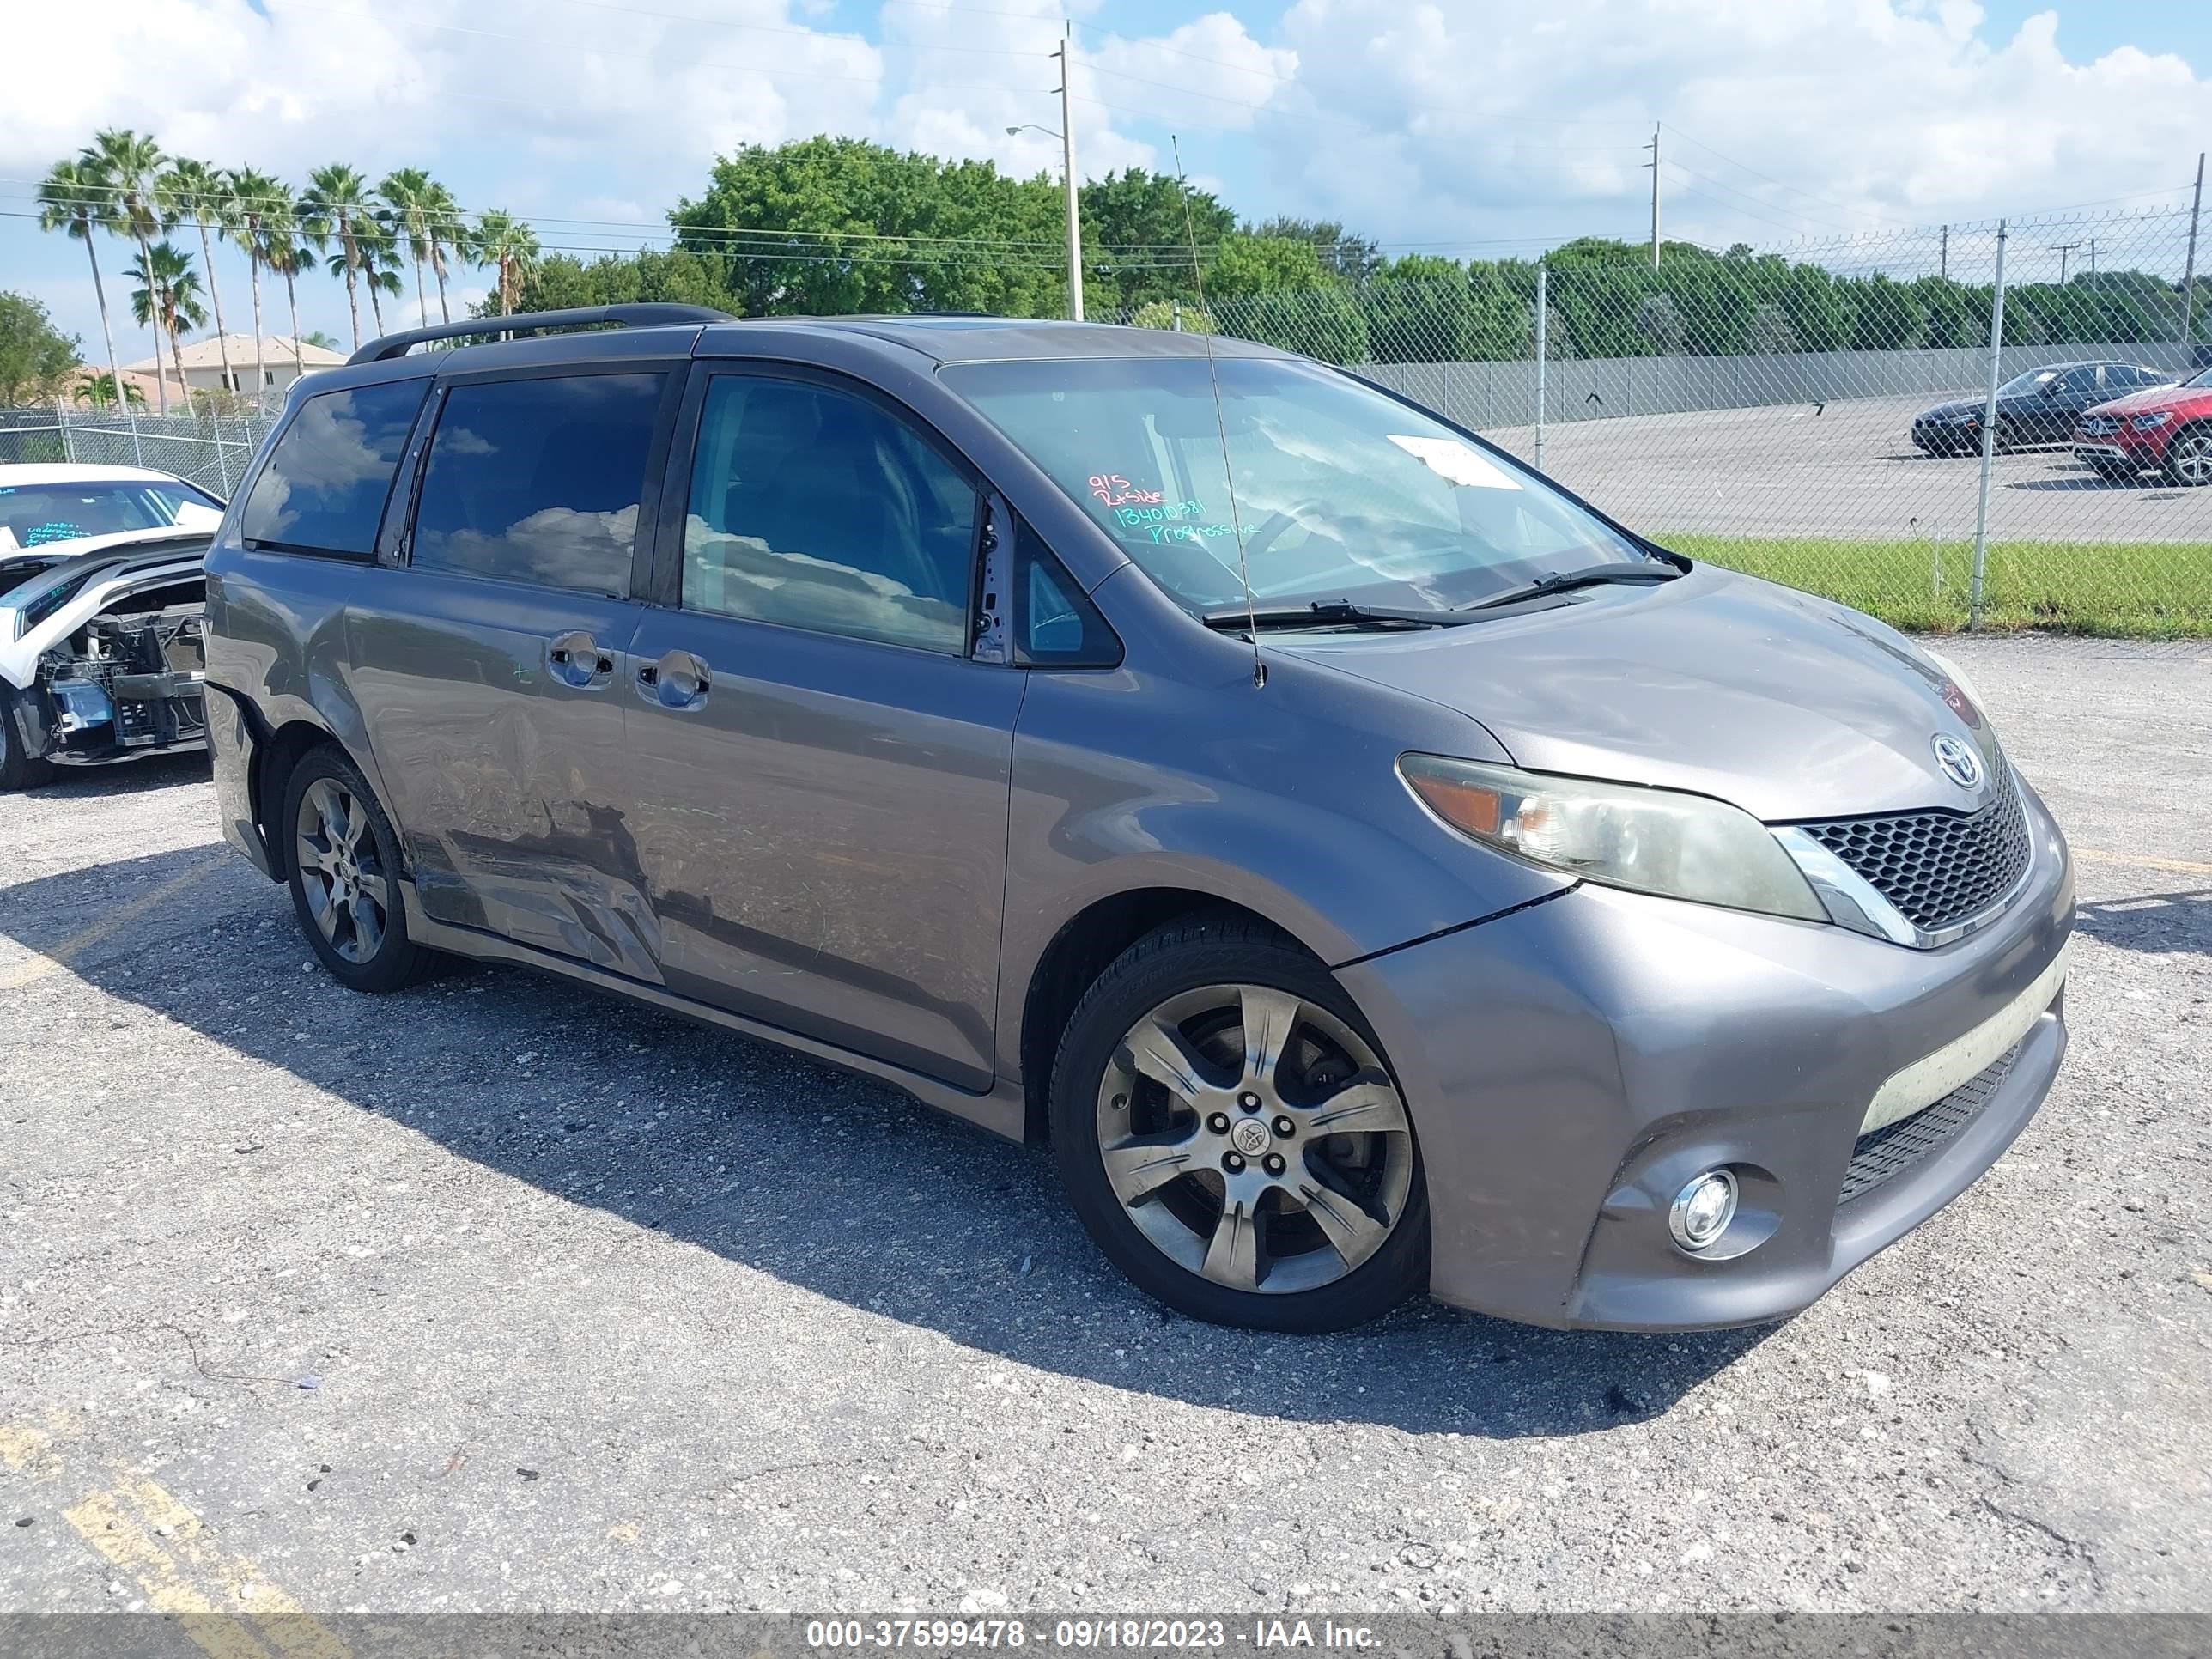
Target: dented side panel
{"x":496,"y":714}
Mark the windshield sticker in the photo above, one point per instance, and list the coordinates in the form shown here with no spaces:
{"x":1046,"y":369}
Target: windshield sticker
{"x":1460,"y":463}
{"x":1115,"y":491}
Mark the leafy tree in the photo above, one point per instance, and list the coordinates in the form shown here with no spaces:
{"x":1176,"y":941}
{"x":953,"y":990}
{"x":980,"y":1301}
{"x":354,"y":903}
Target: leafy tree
{"x":124,"y":167}
{"x":1421,"y":309}
{"x":1770,"y":334}
{"x":1173,"y":314}
{"x":99,"y":390}
{"x":337,"y":209}
{"x":839,"y":225}
{"x":1818,"y":312}
{"x":1244,"y":265}
{"x":510,"y":247}
{"x":35,"y":356}
{"x":192,"y":193}
{"x":71,"y":199}
{"x":1887,"y":316}
{"x":1136,"y":238}
{"x":259,"y":209}
{"x":167,"y":300}
{"x":1659,"y":320}
{"x":1354,"y":259}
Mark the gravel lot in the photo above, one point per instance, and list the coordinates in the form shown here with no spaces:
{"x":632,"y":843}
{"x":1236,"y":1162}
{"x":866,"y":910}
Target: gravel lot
{"x":497,"y":1296}
{"x":1845,"y":470}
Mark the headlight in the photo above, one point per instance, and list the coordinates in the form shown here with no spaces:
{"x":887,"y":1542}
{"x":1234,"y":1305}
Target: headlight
{"x":2156,"y":418}
{"x":1650,"y":841}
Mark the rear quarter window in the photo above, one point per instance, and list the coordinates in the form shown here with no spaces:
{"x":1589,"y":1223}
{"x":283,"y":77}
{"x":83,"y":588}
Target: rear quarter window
{"x":327,"y":481}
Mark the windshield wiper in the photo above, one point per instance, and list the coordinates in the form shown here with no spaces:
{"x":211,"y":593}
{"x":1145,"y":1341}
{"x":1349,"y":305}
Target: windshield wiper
{"x":1330,"y":613}
{"x":1565,"y":581}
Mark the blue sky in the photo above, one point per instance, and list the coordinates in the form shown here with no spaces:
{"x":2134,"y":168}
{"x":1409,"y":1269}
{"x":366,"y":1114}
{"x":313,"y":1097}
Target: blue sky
{"x":1461,"y":126}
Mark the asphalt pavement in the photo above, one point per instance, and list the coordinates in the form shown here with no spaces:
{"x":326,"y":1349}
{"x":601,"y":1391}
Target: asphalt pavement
{"x":495,"y":1295}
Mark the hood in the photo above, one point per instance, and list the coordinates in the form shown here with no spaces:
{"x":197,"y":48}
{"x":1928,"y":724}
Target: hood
{"x":1952,"y":409}
{"x":2164,"y":396}
{"x":1786,"y":705}
{"x":46,"y":566}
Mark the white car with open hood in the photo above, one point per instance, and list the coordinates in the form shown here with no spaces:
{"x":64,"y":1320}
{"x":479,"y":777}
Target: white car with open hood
{"x":101,"y":602}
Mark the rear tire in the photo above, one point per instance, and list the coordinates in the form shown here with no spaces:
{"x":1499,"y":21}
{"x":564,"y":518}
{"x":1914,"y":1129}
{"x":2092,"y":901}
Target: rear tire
{"x":345,"y":876}
{"x":1320,"y":1221}
{"x":18,"y":768}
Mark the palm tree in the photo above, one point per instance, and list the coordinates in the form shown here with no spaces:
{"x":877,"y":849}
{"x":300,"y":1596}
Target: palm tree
{"x":405,"y":193}
{"x":288,"y":256}
{"x":99,"y":390}
{"x":509,"y":244}
{"x":258,"y":206}
{"x":127,"y":166}
{"x":167,"y":300}
{"x":71,"y":199}
{"x":195,"y":193}
{"x":337,"y":209}
{"x":381,"y":271}
{"x":446,"y":229}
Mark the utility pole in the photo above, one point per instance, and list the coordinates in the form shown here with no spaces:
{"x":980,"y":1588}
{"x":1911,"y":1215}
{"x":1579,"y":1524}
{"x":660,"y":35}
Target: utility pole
{"x":2063,"y":250}
{"x":2093,"y":256}
{"x":1989,"y":440}
{"x":1654,"y":148}
{"x":1943,"y":258}
{"x":1066,"y":56}
{"x":2189,"y":271}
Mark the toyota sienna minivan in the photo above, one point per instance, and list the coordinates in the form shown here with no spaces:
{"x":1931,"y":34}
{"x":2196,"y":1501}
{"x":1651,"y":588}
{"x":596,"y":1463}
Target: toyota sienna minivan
{"x":1370,"y":868}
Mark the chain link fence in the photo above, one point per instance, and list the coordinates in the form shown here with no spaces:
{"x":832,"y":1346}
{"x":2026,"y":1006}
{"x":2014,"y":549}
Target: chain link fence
{"x":1916,"y":424}
{"x":1965,"y":426}
{"x":204,"y":449}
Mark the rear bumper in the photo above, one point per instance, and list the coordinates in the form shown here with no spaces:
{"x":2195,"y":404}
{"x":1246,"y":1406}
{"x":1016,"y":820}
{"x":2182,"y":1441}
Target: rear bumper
{"x":235,"y":748}
{"x":1572,"y":1064}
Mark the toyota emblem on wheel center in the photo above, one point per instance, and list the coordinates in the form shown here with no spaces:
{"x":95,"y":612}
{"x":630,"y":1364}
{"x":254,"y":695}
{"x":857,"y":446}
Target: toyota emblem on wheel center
{"x":1959,"y":763}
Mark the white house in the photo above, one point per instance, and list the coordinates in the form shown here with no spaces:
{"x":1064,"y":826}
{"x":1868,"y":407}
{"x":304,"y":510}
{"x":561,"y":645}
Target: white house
{"x":279,"y":362}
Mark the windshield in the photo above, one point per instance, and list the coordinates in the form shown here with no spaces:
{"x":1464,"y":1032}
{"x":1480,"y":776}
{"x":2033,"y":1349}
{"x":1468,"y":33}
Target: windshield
{"x":1341,"y":492}
{"x":2204,"y":379}
{"x":2019,"y":385}
{"x":31,"y":515}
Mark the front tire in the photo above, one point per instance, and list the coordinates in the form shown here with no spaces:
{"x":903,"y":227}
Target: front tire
{"x":2189,"y":457}
{"x":18,"y":768}
{"x":345,"y":879}
{"x":1230,"y":1136}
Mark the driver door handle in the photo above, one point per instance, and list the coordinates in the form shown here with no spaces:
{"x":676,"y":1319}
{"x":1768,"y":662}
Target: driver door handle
{"x":679,"y":681}
{"x":575,"y":659}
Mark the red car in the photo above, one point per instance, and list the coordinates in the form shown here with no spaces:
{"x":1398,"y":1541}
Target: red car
{"x":2169,"y":429}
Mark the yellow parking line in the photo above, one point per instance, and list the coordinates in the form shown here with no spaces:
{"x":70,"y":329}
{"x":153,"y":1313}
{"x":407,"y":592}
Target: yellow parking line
{"x":100,"y":1521}
{"x":2179,"y":866}
{"x":142,"y":1529}
{"x":56,"y":960}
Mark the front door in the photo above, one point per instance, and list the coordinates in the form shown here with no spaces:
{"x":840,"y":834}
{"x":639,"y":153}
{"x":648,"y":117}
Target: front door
{"x":491,"y":666}
{"x":822,"y":768}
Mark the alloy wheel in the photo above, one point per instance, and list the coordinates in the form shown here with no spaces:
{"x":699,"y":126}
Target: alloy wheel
{"x":1254,"y":1139}
{"x":2190,"y":457}
{"x":342,"y":876}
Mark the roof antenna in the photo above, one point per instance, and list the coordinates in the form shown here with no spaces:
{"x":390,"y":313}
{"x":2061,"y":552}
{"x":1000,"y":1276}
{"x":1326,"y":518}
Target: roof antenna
{"x":1220,"y":421}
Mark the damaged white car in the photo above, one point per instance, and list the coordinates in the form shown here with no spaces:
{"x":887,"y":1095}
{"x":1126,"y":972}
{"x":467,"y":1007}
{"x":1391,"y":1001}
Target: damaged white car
{"x":101,"y":600}
{"x":100,"y":656}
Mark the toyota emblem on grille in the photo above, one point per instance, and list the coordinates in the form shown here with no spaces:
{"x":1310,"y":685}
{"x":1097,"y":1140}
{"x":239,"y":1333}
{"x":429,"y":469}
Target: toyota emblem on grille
{"x":1959,"y":763}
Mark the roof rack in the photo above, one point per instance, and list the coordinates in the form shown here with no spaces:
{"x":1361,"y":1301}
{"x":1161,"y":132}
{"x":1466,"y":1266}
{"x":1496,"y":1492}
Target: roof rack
{"x":386,"y":347}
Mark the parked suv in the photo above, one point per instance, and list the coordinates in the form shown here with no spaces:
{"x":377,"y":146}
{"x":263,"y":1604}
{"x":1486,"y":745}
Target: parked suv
{"x":1370,"y":866}
{"x":2168,"y":429}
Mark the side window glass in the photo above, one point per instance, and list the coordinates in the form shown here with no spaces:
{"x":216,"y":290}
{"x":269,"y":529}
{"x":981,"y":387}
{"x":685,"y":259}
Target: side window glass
{"x":818,"y":509}
{"x":1055,"y":624}
{"x":539,"y":480}
{"x":326,"y":483}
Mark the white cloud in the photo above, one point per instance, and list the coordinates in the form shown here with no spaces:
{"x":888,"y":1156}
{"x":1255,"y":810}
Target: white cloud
{"x":1426,"y":121}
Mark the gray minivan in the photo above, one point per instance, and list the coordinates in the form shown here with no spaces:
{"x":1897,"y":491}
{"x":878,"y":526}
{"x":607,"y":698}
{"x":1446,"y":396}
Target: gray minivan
{"x":1370,"y":868}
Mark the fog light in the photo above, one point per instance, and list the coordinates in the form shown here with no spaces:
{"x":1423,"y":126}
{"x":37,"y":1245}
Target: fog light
{"x":1703,"y":1209}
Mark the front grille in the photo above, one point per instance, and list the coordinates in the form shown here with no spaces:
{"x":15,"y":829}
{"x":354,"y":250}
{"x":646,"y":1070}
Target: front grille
{"x":2098,"y":426}
{"x":1937,"y":867}
{"x":1890,"y":1151}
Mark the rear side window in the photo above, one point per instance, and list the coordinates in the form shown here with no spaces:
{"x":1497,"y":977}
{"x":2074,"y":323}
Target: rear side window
{"x":539,"y":480}
{"x":818,"y":509}
{"x":325,"y":486}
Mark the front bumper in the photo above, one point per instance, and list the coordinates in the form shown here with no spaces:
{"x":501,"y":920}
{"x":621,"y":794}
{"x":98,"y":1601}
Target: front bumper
{"x":1572,"y":1063}
{"x":2126,"y":447}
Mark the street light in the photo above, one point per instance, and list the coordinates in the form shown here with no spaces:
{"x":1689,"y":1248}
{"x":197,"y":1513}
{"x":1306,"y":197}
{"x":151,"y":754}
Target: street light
{"x":1067,"y":136}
